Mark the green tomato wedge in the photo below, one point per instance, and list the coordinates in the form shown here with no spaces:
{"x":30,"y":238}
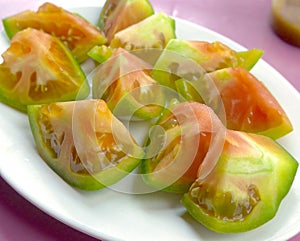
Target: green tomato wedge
{"x":178,"y":144}
{"x":245,"y":188}
{"x":37,"y":69}
{"x":179,"y":56}
{"x":83,"y":142}
{"x":124,"y":82}
{"x":154,"y":31}
{"x":117,"y":15}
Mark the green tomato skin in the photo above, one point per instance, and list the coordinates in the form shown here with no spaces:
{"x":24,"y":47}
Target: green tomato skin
{"x":272,"y":174}
{"x":223,"y":226}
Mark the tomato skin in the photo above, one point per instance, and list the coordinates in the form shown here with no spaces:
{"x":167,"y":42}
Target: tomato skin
{"x":246,"y":187}
{"x":75,"y":139}
{"x":75,"y":32}
{"x":37,"y":68}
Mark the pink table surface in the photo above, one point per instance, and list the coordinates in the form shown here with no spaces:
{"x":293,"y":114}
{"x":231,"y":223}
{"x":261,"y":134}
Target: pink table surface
{"x":246,"y":22}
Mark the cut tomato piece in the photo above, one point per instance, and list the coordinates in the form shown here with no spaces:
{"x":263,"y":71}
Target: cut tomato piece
{"x":249,"y":106}
{"x":75,"y":32}
{"x":77,"y":139}
{"x":179,"y":56}
{"x":124,"y":82}
{"x":245,"y":188}
{"x":117,"y":15}
{"x":152,"y":32}
{"x":38,"y":68}
{"x":191,"y":136}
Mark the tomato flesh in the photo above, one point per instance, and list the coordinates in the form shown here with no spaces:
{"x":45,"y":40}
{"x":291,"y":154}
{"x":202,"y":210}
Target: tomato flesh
{"x":153,"y":32}
{"x":189,"y":59}
{"x":246,"y":187}
{"x":77,"y":141}
{"x":117,"y":15}
{"x":124,"y":82}
{"x":189,"y":129}
{"x":245,"y":102}
{"x":76,"y":33}
{"x":37,"y":68}
{"x":249,"y":105}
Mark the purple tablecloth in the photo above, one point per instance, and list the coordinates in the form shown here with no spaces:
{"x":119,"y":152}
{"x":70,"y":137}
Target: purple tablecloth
{"x":246,"y":22}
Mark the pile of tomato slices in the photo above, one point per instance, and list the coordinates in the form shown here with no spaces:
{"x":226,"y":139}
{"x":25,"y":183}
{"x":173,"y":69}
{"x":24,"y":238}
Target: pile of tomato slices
{"x":211,"y":125}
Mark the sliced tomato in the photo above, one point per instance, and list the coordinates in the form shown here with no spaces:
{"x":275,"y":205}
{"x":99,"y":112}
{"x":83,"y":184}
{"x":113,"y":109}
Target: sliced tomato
{"x":77,"y":139}
{"x":248,"y":104}
{"x":117,"y":15}
{"x":75,"y":32}
{"x":190,"y":138}
{"x":246,"y":187}
{"x":190,"y":58}
{"x":124,"y":82}
{"x":37,"y":68}
{"x":154,"y":31}
{"x":215,"y":55}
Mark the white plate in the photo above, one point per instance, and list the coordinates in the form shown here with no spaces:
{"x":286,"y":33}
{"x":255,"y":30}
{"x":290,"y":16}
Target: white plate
{"x":111,"y":215}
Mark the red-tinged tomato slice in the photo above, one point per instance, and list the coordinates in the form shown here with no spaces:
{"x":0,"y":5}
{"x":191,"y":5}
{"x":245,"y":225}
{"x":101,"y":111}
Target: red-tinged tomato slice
{"x":75,"y":32}
{"x":124,"y":82}
{"x":37,"y":68}
{"x":193,"y":136}
{"x":117,"y":15}
{"x":77,"y":139}
{"x":246,"y":187}
{"x":248,"y":104}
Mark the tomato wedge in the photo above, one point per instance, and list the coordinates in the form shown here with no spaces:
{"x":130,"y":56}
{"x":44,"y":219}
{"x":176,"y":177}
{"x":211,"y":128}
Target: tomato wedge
{"x":246,"y":187}
{"x":117,"y":15}
{"x":37,"y":68}
{"x":75,"y":32}
{"x":78,"y":140}
{"x":188,"y":135}
{"x":124,"y":82}
{"x":248,"y":104}
{"x":184,"y":58}
{"x":154,"y":31}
